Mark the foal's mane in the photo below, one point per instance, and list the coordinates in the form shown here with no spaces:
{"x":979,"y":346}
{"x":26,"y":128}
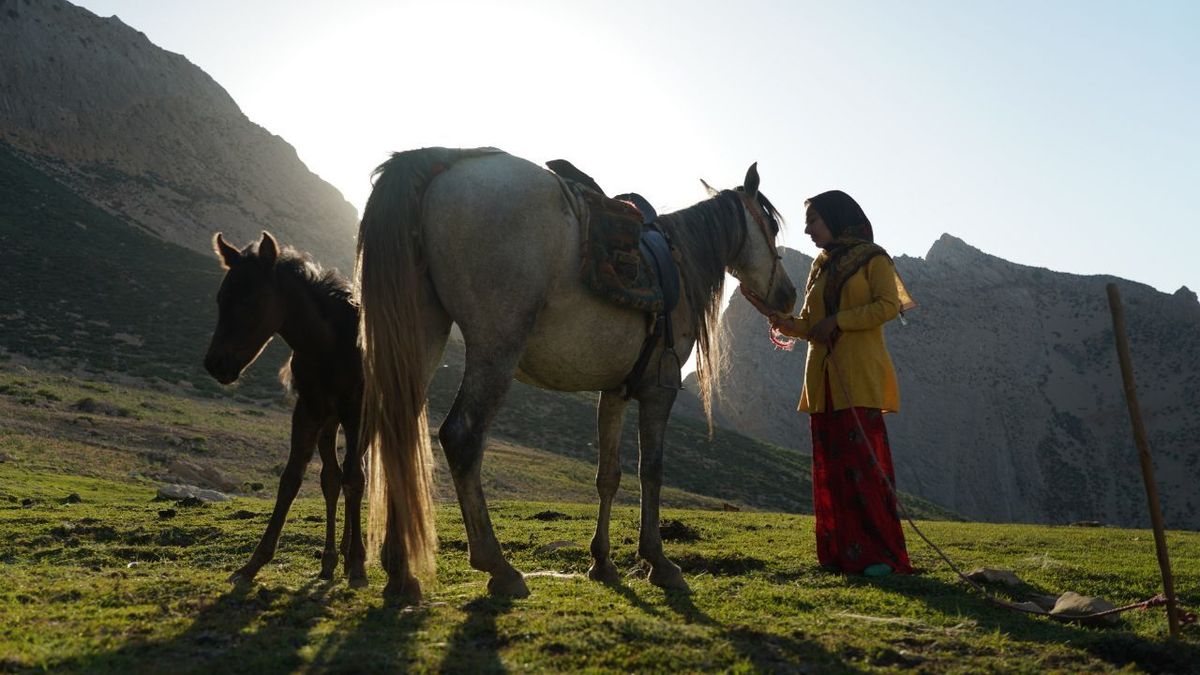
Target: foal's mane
{"x":326,"y":285}
{"x":707,"y":234}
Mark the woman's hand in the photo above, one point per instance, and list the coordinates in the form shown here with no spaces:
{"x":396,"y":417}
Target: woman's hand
{"x":825,"y":331}
{"x":786,"y":324}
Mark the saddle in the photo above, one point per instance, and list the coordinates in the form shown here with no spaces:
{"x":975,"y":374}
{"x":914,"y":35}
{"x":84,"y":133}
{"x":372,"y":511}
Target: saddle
{"x":628,"y":261}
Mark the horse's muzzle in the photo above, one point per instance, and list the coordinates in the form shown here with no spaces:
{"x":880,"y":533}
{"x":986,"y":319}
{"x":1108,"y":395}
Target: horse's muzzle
{"x":221,"y":370}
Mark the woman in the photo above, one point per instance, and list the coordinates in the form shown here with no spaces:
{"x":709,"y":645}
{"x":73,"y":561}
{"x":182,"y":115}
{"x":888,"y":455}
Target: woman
{"x":852,"y":291}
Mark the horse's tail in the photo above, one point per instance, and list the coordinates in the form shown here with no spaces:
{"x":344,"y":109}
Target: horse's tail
{"x":390,"y":272}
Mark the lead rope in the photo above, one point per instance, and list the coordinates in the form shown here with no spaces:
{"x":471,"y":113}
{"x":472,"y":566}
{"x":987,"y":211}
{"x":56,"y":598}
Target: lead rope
{"x":1160,"y":599}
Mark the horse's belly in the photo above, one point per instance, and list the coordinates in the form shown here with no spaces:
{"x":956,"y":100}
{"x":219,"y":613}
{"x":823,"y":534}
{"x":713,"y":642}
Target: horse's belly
{"x":580,"y":343}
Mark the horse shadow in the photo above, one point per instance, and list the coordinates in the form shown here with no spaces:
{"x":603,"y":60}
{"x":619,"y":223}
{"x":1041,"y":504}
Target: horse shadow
{"x":475,"y":645}
{"x":255,"y":629}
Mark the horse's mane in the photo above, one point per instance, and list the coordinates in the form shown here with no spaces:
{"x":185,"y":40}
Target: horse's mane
{"x":706,"y":241}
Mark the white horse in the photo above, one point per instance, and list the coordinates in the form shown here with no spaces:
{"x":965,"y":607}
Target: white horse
{"x":492,"y":243}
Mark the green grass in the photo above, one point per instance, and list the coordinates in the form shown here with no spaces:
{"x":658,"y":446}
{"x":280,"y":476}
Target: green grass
{"x":105,"y":585}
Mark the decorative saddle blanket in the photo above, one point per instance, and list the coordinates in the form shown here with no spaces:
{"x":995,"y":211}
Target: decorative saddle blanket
{"x":617,"y":262}
{"x":612,"y":265}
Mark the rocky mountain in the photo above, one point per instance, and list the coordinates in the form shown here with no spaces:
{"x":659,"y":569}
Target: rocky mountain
{"x":151,"y":138}
{"x":1012,"y":407}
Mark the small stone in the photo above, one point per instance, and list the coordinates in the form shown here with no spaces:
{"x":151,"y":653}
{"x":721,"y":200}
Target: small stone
{"x":72,"y":498}
{"x":166,"y":513}
{"x":132,"y":565}
{"x":178,"y":492}
{"x":26,"y":503}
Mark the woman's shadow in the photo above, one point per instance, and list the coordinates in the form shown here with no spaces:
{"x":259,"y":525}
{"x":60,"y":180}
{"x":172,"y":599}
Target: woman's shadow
{"x":1115,"y":645}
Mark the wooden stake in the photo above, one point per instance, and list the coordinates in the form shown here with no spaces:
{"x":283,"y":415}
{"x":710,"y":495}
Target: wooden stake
{"x":1139,"y":437}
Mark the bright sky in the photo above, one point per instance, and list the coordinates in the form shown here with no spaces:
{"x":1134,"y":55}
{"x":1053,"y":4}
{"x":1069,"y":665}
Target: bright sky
{"x":1062,"y":134}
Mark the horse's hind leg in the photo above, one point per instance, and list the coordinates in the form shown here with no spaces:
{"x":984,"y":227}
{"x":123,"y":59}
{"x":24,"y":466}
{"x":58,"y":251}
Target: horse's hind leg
{"x":331,"y":485}
{"x":305,"y":428}
{"x":654,"y":407}
{"x":486,"y":380}
{"x":610,"y":414}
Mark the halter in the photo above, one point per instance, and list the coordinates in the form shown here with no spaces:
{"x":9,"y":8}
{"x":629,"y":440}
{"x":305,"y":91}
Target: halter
{"x":759,"y":218}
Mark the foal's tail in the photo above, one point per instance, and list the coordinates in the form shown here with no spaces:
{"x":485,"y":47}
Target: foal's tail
{"x":396,"y":370}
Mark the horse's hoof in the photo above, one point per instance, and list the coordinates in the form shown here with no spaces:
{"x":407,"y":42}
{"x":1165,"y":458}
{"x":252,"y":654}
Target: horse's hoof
{"x":510,"y":584}
{"x":358,"y":581}
{"x":242,"y":576}
{"x":668,"y":576}
{"x":325,"y":575}
{"x":604,"y":572}
{"x":401,"y":592}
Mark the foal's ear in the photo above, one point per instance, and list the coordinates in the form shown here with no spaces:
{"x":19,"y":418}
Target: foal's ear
{"x":750,"y":185}
{"x":712,"y":191}
{"x":268,"y":249}
{"x":229,"y":255}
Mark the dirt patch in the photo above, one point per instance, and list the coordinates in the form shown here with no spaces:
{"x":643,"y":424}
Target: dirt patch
{"x":675,"y":530}
{"x":550,"y":515}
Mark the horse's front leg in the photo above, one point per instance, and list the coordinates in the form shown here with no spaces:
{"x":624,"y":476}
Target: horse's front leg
{"x":306,"y":426}
{"x":331,"y":485}
{"x":610,"y":413}
{"x":654,"y":407}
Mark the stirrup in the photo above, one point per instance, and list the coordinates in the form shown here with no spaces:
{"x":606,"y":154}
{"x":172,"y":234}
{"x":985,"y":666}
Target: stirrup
{"x":675,"y":382}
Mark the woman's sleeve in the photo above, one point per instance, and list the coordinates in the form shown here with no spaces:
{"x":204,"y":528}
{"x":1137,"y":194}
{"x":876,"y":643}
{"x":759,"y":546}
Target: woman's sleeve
{"x":885,"y":299}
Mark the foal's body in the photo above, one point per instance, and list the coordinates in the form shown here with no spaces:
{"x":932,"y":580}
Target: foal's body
{"x":266,"y":293}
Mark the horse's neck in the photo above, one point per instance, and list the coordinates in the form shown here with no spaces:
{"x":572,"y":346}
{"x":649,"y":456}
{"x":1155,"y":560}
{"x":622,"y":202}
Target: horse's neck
{"x":306,"y":329}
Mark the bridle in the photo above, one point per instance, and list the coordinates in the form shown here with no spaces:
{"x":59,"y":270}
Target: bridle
{"x":756,"y":212}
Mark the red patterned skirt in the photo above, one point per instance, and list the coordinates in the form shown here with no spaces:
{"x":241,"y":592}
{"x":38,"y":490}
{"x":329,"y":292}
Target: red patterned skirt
{"x":857,"y":522}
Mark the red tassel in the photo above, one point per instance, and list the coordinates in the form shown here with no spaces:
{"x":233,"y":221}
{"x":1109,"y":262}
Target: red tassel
{"x":780,"y":340}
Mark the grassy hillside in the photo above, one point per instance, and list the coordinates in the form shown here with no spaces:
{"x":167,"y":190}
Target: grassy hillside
{"x":107,"y":585}
{"x":87,"y":289}
{"x":110,"y":302}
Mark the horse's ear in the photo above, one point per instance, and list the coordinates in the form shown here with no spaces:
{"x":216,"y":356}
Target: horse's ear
{"x":712,"y":191}
{"x":750,"y":185}
{"x":229,"y":255}
{"x":268,"y":250}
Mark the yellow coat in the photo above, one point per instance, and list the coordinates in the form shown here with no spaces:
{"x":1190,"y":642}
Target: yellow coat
{"x":869,"y":299}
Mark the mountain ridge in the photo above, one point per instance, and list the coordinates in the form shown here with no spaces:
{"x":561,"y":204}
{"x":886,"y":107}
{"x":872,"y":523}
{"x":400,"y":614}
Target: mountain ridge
{"x":145,"y":134}
{"x":1012,"y":406}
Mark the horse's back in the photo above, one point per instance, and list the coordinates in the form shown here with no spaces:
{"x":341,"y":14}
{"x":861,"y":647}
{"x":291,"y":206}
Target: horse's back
{"x":503,"y":241}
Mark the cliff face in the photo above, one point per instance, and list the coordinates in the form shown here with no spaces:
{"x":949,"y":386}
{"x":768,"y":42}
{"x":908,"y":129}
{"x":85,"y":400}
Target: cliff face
{"x":150,"y":137}
{"x":1012,"y":406}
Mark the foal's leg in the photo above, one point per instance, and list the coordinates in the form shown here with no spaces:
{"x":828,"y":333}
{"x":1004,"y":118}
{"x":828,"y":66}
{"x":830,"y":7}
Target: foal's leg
{"x":306,"y":426}
{"x":485,"y":382}
{"x":610,"y":414}
{"x":654,"y":406}
{"x":353,"y":483}
{"x":331,"y":485}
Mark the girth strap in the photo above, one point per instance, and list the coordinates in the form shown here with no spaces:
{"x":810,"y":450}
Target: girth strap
{"x":655,"y":247}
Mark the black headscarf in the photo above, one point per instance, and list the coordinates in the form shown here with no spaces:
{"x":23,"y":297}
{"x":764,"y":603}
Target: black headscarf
{"x":853,"y":244}
{"x":843,"y":216}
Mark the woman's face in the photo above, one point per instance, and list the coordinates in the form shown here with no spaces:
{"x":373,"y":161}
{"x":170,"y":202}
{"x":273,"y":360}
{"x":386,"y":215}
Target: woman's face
{"x":815,"y":227}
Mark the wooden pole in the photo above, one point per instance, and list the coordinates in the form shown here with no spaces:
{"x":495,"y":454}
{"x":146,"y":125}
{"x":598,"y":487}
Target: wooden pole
{"x":1139,"y":437}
